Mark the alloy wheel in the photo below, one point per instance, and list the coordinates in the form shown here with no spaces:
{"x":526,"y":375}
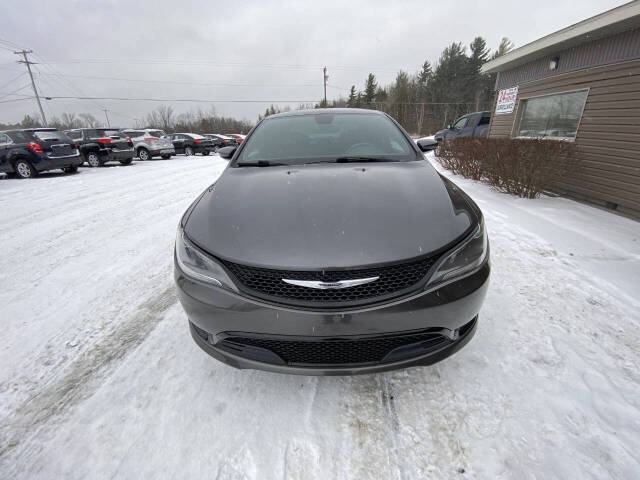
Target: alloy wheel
{"x":24,"y":169}
{"x":93,"y":160}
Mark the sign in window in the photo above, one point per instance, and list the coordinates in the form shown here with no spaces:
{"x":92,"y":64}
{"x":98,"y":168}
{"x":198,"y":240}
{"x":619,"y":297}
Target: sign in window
{"x":551,"y":116}
{"x":506,"y":100}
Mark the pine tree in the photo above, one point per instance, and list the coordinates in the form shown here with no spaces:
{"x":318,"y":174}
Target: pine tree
{"x":505,"y":46}
{"x":370,"y":88}
{"x":476,"y":80}
{"x":351,"y":101}
{"x":400,"y":97}
{"x":425,"y":74}
{"x":381,"y":95}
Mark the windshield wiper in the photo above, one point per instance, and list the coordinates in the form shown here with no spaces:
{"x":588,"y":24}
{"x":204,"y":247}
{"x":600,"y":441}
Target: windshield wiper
{"x":260,"y":163}
{"x":348,"y":159}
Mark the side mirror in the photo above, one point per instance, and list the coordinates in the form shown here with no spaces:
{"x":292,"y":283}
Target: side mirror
{"x":227,"y":152}
{"x":427,"y":144}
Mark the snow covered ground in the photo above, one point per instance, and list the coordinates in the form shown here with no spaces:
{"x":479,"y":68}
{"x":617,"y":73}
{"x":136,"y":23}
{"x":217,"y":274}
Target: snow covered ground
{"x":99,"y":377}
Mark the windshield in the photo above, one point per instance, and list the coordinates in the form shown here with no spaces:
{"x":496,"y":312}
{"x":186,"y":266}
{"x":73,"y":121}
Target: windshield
{"x":321,"y":137}
{"x":196,"y":136}
{"x":156,"y":133}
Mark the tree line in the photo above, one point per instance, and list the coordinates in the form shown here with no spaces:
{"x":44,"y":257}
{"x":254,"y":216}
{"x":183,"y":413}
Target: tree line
{"x":422,"y":102}
{"x":435,"y":95}
{"x":163,"y":117}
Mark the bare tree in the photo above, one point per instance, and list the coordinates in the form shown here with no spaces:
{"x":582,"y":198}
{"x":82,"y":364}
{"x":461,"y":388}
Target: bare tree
{"x":69,"y":120}
{"x":166,"y":116}
{"x":89,"y":120}
{"x":153,"y":120}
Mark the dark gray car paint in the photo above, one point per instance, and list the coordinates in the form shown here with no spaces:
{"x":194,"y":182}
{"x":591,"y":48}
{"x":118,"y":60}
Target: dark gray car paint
{"x":326,"y":215}
{"x":295,"y":219}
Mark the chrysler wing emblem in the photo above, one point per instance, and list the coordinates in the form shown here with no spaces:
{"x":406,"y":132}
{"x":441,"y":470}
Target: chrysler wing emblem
{"x":330,"y":285}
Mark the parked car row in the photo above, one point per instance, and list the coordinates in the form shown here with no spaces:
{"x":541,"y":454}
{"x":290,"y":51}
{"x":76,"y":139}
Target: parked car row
{"x":26,"y":152}
{"x":102,"y":145}
{"x":150,"y":142}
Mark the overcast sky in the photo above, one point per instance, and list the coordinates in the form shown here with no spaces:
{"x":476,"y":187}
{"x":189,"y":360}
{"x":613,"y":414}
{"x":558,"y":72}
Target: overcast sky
{"x":269,"y":51}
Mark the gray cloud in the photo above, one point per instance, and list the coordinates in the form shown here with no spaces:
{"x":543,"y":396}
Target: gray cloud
{"x":200,"y":41}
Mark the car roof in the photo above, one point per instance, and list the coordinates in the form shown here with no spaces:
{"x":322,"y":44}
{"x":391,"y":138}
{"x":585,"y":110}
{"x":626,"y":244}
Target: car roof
{"x":42,"y":129}
{"x":318,"y":111}
{"x":93,"y":128}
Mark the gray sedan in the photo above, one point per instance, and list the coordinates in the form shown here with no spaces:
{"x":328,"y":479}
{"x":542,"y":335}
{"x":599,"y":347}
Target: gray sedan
{"x":330,"y":246}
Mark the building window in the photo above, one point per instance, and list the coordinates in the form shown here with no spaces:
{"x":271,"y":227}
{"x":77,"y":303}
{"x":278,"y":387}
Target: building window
{"x":552,"y":116}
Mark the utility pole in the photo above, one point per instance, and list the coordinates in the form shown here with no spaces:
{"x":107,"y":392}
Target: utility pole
{"x":107,"y":117}
{"x":33,"y":84}
{"x":325,"y":78}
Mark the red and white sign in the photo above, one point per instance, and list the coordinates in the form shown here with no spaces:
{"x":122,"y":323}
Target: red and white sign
{"x":506,"y":100}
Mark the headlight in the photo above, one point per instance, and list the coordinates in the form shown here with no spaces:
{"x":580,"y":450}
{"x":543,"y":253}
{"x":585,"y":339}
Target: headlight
{"x":198,"y":265}
{"x":465,"y":259}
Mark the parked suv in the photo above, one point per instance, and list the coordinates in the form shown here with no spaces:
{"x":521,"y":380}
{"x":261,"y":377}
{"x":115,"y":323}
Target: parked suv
{"x":101,"y":145}
{"x":191,"y":143}
{"x":25,"y":153}
{"x":150,"y":142}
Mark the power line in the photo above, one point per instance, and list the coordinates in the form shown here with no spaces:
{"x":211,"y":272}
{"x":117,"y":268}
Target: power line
{"x":15,"y":92}
{"x":21,"y":74}
{"x":178,"y":82}
{"x":52,"y":87}
{"x":66,"y":84}
{"x":213,"y":63}
{"x":55,"y":97}
{"x":10,"y":44}
{"x":16,"y":100}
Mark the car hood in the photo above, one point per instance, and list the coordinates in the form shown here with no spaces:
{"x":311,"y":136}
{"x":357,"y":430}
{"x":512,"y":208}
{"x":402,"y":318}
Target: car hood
{"x":439,"y":133}
{"x":329,"y":215}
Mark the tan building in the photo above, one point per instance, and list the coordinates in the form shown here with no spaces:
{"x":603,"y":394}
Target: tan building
{"x":580,"y":84}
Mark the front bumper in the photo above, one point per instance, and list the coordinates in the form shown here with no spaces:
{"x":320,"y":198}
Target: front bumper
{"x":163,"y":151}
{"x":216,"y":314}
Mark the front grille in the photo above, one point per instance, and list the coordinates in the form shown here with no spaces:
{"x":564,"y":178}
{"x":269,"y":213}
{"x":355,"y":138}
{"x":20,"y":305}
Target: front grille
{"x":394,"y":280}
{"x":340,"y":351}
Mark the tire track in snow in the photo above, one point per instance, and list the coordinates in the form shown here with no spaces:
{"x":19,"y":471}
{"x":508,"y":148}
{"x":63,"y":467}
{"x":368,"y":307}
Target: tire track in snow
{"x":81,"y":379}
{"x":387,"y":399}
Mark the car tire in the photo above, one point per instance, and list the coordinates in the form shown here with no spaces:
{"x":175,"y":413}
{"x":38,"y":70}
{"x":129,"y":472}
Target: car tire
{"x":143,"y":154}
{"x":24,"y":169}
{"x":166,"y":157}
{"x":70,"y":169}
{"x":93,"y":159}
{"x":188,"y":151}
{"x":205,"y":153}
{"x":126,"y":161}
